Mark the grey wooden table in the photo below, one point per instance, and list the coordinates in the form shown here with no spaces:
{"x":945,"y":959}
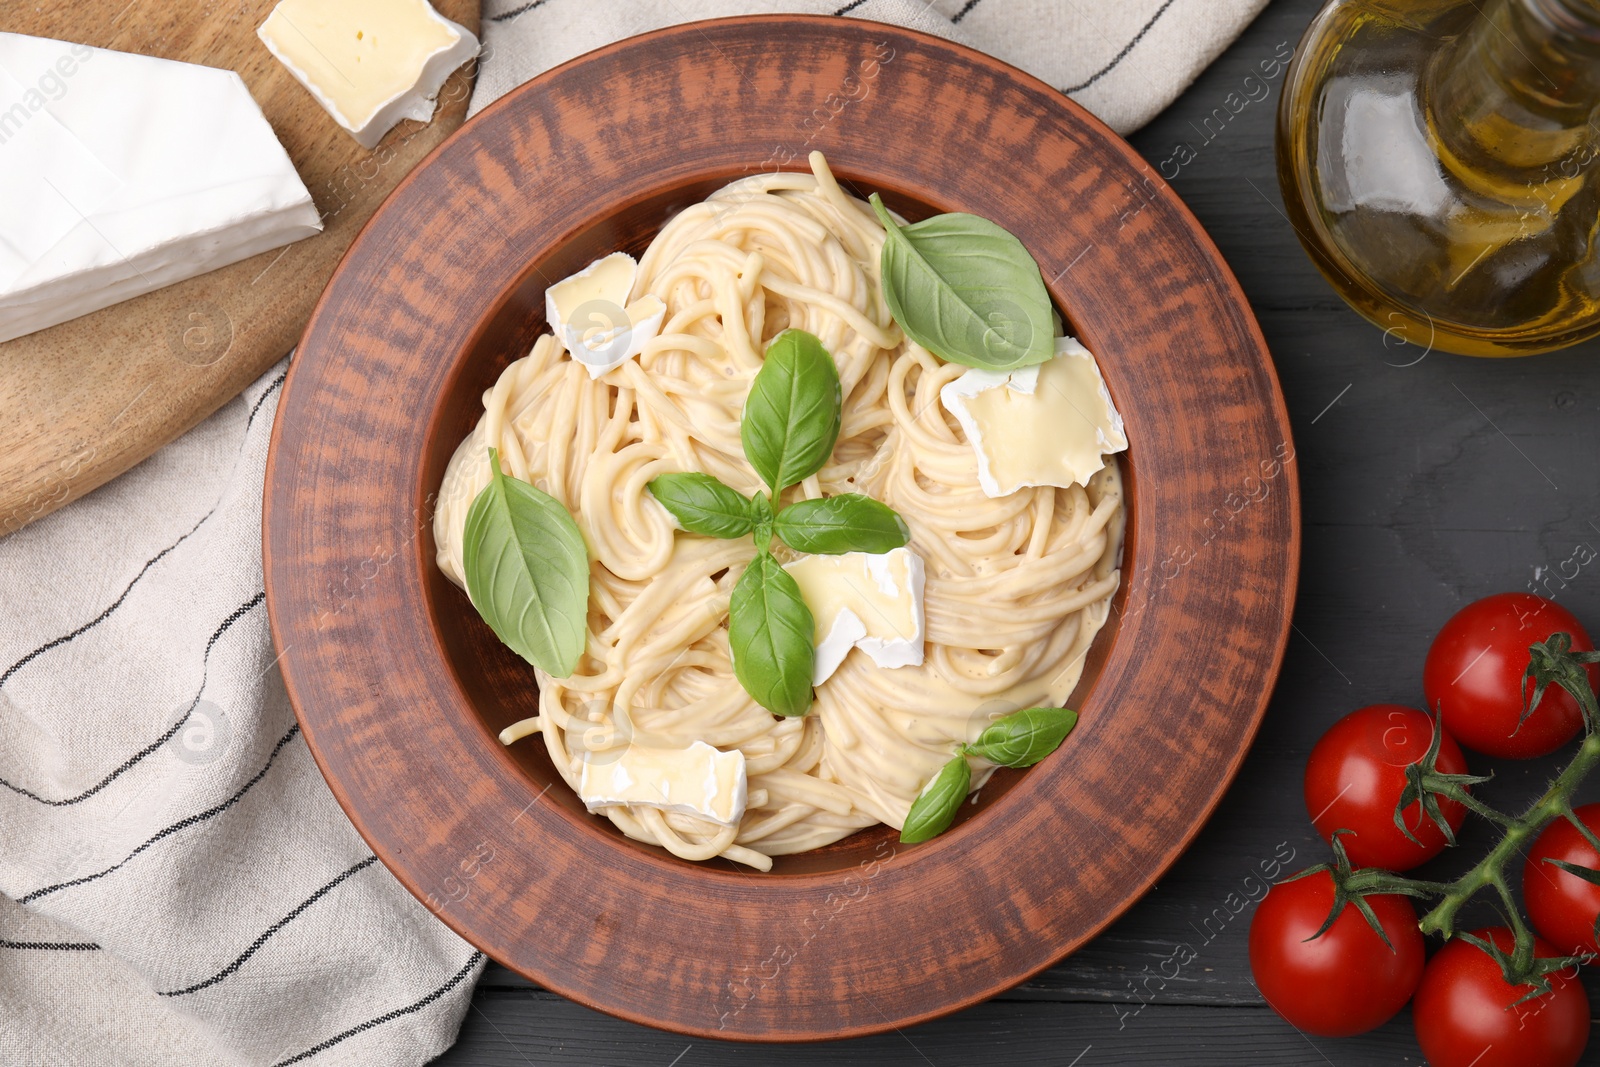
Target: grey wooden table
{"x":1428,"y":481}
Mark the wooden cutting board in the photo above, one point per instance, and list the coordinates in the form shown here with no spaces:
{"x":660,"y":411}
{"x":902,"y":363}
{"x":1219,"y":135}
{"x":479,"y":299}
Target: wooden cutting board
{"x":83,"y":401}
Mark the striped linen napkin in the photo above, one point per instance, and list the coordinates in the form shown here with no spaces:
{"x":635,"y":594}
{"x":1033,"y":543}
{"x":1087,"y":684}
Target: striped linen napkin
{"x":177,"y":884}
{"x":1124,"y":60}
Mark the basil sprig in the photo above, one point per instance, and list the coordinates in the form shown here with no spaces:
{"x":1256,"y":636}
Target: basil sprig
{"x":1021,"y":739}
{"x":527,"y":572}
{"x":935,"y":807}
{"x":769,"y":632}
{"x":1025,"y":737}
{"x":762,"y":519}
{"x":793,"y":413}
{"x":849,"y":522}
{"x":790,"y":424}
{"x":966,"y":290}
{"x":703,"y":505}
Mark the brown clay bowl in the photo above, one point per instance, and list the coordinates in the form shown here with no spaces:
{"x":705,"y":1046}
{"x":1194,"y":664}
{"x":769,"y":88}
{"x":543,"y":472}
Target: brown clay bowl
{"x":401,"y":688}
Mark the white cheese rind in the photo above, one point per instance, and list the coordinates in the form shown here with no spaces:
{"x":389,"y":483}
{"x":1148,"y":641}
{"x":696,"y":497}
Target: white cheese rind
{"x":896,"y":650}
{"x":200,"y":180}
{"x":1054,"y":434}
{"x":854,"y":597}
{"x":847,"y":631}
{"x":591,"y":315}
{"x":343,"y":70}
{"x":699,"y":780}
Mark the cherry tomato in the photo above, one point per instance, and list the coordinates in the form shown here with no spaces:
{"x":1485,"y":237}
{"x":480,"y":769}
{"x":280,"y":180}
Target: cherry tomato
{"x":1355,"y":777}
{"x":1345,"y":982}
{"x":1464,"y":1018}
{"x":1474,"y":670}
{"x":1563,"y":906}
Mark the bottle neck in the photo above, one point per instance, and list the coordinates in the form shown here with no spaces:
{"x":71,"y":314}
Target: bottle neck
{"x":1521,"y":85}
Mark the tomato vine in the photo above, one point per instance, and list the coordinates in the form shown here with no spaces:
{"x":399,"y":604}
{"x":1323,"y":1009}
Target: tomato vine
{"x":1551,"y":662}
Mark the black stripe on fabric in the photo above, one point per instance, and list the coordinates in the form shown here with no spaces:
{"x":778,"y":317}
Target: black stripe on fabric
{"x":181,"y":824}
{"x":205,"y":670}
{"x":55,"y":946}
{"x":274,"y":928}
{"x":151,"y":562}
{"x":966,"y":9}
{"x":1120,"y":56}
{"x":455,"y":980}
{"x":846,"y":9}
{"x":262,"y":399}
{"x":524,"y":9}
{"x":100,"y":618}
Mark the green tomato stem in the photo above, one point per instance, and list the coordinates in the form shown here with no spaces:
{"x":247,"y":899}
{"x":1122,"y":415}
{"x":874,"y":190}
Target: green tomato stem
{"x":1490,"y":871}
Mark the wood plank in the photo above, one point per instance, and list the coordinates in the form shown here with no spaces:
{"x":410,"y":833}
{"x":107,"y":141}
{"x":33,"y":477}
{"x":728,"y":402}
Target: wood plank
{"x":518,"y":1028}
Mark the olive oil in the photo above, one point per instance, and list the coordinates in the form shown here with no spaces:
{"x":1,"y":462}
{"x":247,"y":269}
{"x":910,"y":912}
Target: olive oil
{"x":1440,"y":161}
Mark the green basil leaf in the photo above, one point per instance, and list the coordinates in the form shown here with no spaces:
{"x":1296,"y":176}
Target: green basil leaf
{"x":527,"y":572}
{"x":967,"y":291}
{"x":935,"y":807}
{"x":1025,"y":737}
{"x":792,"y":415}
{"x":761,"y":517}
{"x":770,"y":633}
{"x":849,"y":522}
{"x":703,"y":505}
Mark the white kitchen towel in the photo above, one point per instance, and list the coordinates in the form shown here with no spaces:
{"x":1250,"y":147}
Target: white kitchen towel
{"x":182,"y":887}
{"x":1124,"y":60}
{"x":179,"y":886}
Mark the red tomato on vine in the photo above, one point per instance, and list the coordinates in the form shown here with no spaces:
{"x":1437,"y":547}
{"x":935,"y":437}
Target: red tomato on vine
{"x":1355,"y":777}
{"x":1467,"y":1016}
{"x":1345,"y":981}
{"x":1562,"y":905}
{"x":1474,"y":676}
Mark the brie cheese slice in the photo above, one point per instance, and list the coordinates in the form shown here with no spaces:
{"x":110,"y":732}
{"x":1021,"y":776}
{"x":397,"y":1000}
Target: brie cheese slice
{"x":861,"y":600}
{"x":1049,"y":424}
{"x":590,"y":314}
{"x":120,"y":174}
{"x":699,"y":780}
{"x":369,"y":63}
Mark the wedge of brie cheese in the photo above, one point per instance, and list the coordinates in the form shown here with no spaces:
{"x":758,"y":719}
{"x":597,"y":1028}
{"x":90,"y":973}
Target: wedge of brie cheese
{"x":1049,"y":424}
{"x":120,"y":174}
{"x":866,"y":601}
{"x":591,"y":315}
{"x":699,"y":780}
{"x":369,"y":63}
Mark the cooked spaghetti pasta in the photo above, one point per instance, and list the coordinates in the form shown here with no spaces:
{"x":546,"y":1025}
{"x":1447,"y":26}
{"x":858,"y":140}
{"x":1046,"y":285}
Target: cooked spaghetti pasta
{"x":1016,"y":587}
